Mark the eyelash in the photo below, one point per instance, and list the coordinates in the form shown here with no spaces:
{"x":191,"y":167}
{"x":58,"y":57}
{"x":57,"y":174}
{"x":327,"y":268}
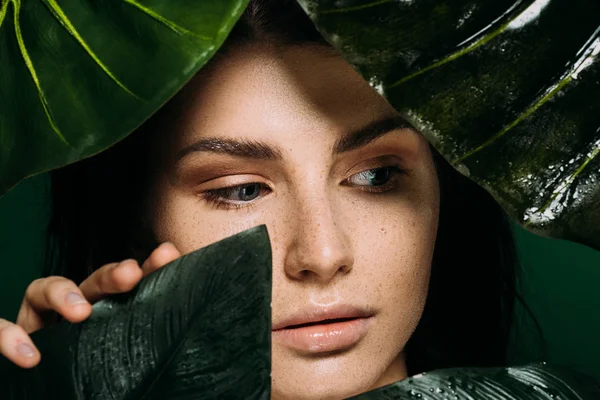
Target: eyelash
{"x":214,"y":197}
{"x":395,"y":172}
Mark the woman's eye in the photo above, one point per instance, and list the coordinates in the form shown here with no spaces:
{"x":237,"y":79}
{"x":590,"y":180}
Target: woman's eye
{"x":373,"y":177}
{"x":235,"y":195}
{"x":246,"y":192}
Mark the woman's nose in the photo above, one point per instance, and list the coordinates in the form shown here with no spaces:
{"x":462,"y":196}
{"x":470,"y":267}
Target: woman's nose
{"x":320,"y":249}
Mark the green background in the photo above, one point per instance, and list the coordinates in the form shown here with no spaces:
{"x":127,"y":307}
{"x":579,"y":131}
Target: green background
{"x":559,"y":282}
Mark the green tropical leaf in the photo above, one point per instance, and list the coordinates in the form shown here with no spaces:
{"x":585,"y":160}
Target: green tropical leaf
{"x":201,"y":325}
{"x":508,"y":91}
{"x":530,"y":382}
{"x":78,"y":76}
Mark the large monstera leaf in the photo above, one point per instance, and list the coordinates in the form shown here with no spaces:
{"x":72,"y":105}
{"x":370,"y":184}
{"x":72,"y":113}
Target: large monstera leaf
{"x":507,"y":90}
{"x":78,"y":76}
{"x":200,"y":327}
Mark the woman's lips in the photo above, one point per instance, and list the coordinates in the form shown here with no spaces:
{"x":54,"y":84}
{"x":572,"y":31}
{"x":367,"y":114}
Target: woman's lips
{"x":324,"y":336}
{"x":333,"y":332}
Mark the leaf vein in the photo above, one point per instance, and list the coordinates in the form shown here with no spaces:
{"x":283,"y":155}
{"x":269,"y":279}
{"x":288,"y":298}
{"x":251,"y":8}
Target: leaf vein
{"x":64,"y":20}
{"x":168,"y":23}
{"x":591,"y":155}
{"x":33,"y":73}
{"x":532,"y":108}
{"x":3,"y":11}
{"x":589,"y":52}
{"x":478,"y":43}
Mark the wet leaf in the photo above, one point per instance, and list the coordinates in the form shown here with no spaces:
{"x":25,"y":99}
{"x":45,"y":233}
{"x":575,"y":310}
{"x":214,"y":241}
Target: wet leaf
{"x":531,"y":382}
{"x":506,"y":90}
{"x":199,"y":327}
{"x":78,"y":76}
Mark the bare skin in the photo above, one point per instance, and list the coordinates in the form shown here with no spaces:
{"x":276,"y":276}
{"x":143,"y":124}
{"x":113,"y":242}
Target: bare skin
{"x":352,"y":222}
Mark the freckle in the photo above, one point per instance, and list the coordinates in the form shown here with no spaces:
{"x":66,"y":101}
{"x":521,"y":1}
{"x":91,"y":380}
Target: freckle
{"x":383,"y":230}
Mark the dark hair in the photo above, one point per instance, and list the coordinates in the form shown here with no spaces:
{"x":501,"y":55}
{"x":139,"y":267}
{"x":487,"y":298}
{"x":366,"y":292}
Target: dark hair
{"x":98,"y":218}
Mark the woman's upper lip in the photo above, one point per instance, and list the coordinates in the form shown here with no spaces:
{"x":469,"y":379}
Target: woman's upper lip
{"x":315,"y":314}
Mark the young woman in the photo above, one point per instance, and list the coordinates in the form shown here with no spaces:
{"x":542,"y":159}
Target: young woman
{"x":369,"y":225}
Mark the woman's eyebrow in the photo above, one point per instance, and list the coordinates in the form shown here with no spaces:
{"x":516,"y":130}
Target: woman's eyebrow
{"x":262,"y":151}
{"x":368,"y":133}
{"x":233,"y":147}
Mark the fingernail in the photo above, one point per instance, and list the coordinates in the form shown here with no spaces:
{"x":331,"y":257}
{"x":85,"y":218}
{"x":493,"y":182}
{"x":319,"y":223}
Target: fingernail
{"x":166,"y":244}
{"x":25,"y":350}
{"x":75,"y":298}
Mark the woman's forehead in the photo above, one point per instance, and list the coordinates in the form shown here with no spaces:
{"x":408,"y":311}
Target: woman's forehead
{"x":262,"y":93}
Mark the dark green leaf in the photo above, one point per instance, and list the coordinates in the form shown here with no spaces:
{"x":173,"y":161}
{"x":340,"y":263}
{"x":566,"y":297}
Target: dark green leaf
{"x":78,"y":76}
{"x":508,"y":91}
{"x":531,"y":382}
{"x":199,"y":327}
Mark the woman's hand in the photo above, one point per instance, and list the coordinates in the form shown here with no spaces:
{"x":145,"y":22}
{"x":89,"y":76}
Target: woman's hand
{"x":61,"y":295}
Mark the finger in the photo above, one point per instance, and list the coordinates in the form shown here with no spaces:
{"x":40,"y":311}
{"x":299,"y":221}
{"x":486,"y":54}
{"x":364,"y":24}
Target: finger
{"x":161,"y":256}
{"x":111,"y":278}
{"x":17,"y":346}
{"x":54,"y":293}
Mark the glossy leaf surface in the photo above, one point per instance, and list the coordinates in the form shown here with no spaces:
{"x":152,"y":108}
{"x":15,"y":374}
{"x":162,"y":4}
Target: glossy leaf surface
{"x":531,"y":382}
{"x":508,"y":91}
{"x":78,"y":76}
{"x":199,"y":327}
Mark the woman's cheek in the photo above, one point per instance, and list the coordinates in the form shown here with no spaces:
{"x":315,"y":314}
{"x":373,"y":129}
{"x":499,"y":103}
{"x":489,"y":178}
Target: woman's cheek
{"x":190,"y":224}
{"x":397,"y":246}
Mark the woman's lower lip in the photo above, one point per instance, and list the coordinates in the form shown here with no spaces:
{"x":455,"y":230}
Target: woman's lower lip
{"x":324,"y":338}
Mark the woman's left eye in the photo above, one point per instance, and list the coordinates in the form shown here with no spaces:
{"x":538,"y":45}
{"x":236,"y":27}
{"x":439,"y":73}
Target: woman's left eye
{"x":376,"y":179}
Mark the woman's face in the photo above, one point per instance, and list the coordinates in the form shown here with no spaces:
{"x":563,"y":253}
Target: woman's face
{"x":295,"y":139}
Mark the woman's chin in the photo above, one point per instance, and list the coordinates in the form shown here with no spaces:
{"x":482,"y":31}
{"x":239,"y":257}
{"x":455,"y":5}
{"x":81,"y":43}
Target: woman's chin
{"x":322,"y":376}
{"x":319,"y":390}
